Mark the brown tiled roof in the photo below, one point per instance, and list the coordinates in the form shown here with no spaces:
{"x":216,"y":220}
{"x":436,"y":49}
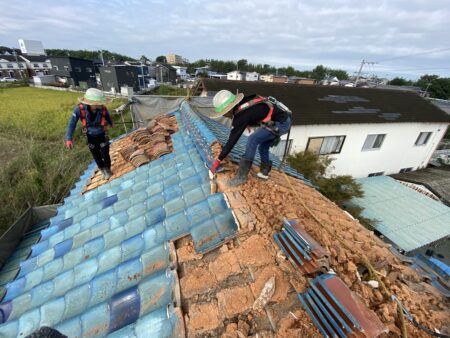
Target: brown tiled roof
{"x":337,"y":105}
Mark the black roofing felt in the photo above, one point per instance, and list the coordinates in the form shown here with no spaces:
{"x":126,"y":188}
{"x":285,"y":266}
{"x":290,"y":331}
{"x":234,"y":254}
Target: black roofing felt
{"x":36,"y":58}
{"x":435,"y":179}
{"x":338,"y":105}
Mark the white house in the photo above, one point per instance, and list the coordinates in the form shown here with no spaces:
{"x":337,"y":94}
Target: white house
{"x":13,"y":67}
{"x":37,"y":65}
{"x":181,"y":72}
{"x":266,"y":78}
{"x":236,"y":75}
{"x":251,"y":76}
{"x":368,"y":132}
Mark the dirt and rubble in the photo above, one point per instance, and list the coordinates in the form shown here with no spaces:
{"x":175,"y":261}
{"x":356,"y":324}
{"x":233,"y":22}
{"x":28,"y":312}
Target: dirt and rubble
{"x":219,"y":288}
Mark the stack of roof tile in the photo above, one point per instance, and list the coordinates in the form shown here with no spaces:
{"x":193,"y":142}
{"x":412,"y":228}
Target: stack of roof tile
{"x":301,"y":249}
{"x":336,"y":311}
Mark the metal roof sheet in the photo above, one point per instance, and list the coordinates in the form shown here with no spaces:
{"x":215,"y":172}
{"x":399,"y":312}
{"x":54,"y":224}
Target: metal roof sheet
{"x":408,"y":218}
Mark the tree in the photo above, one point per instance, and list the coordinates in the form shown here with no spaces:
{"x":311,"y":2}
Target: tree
{"x":144,"y":59}
{"x":339,"y":189}
{"x":435,"y":86}
{"x":161,"y":59}
{"x":242,"y":64}
{"x":399,"y":81}
{"x":319,"y":73}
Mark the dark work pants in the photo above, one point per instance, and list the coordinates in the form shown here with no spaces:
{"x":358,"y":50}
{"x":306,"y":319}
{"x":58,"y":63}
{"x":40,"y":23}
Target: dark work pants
{"x":99,"y":147}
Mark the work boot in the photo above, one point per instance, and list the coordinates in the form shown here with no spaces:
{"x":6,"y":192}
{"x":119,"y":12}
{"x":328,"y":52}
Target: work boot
{"x":265,"y":170}
{"x":107,"y":173}
{"x":241,"y":177}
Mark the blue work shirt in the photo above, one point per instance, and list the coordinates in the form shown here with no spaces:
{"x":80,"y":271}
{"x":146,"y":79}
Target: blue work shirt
{"x":93,"y":122}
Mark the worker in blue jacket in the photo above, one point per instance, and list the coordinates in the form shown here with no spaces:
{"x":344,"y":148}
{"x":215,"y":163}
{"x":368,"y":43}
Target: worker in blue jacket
{"x":94,"y":116}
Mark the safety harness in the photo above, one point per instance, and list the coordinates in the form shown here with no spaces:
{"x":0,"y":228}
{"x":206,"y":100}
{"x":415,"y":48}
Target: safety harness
{"x":84,"y":120}
{"x":255,"y":101}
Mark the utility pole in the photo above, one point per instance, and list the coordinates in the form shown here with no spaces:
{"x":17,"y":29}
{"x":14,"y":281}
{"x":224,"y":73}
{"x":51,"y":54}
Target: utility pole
{"x":363,"y":62}
{"x":101,"y":56}
{"x":17,"y":61}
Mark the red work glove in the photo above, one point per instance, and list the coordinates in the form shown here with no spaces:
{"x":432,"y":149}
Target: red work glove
{"x":69,"y":144}
{"x":215,"y":166}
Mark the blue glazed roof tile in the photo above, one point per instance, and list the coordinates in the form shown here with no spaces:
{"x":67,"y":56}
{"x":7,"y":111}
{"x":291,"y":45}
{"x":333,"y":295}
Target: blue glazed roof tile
{"x":103,"y":266}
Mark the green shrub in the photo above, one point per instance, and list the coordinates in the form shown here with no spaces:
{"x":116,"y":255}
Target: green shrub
{"x":339,"y":189}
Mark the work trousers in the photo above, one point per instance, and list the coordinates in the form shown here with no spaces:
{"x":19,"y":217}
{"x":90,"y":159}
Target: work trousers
{"x":263,"y":139}
{"x":99,"y":147}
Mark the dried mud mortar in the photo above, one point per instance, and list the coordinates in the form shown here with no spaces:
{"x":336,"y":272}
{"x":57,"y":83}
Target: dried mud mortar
{"x":219,"y":288}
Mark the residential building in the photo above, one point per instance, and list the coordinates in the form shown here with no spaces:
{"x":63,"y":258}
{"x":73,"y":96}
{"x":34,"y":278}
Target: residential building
{"x":279,"y":79}
{"x":115,"y":77}
{"x":251,"y":76}
{"x":236,"y":75}
{"x":181,"y":72}
{"x":73,"y":71}
{"x":173,"y":59}
{"x":367,"y":132}
{"x":165,"y":73}
{"x":301,"y":80}
{"x":37,"y":64}
{"x":12,"y":66}
{"x":266,"y":77}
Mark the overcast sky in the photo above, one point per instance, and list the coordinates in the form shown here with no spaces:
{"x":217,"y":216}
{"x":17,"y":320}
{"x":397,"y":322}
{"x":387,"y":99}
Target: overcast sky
{"x":335,"y":33}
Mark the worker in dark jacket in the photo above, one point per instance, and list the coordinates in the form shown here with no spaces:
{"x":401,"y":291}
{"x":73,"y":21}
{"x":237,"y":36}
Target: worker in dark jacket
{"x":94,"y":116}
{"x":273,"y":117}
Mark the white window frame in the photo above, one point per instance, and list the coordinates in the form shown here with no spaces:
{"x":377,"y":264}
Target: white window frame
{"x":55,"y":68}
{"x":337,"y":148}
{"x":36,"y":65}
{"x":372,"y":140}
{"x":66,"y":68}
{"x":423,"y":138}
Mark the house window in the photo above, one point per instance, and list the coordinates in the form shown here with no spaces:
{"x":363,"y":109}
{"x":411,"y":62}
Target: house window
{"x":325,"y":145}
{"x":406,"y":170}
{"x":36,"y":65}
{"x":373,"y":142}
{"x":66,"y":68}
{"x":1,"y":65}
{"x":45,"y":65}
{"x":21,"y":65}
{"x":89,"y":69}
{"x":281,"y":147}
{"x":78,"y":69}
{"x":10,"y":65}
{"x":423,"y":138}
{"x":55,"y":68}
{"x":380,"y":173}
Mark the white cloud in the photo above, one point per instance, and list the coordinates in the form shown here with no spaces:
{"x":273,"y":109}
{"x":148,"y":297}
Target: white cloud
{"x":337,"y":33}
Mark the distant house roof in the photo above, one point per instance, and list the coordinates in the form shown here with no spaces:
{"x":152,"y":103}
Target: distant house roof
{"x":435,"y":179}
{"x":11,"y":58}
{"x":166,"y":65}
{"x":337,"y":105}
{"x":406,"y":217}
{"x":36,"y":58}
{"x":68,"y":57}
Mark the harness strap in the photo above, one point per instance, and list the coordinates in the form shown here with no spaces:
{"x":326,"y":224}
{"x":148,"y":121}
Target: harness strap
{"x":84,"y":120}
{"x":251,"y":103}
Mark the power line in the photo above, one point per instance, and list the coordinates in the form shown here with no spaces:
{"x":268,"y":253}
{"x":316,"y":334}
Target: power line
{"x":415,"y":54}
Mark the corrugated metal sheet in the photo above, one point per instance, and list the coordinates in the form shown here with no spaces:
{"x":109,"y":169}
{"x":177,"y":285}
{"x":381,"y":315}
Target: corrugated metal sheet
{"x":105,"y":265}
{"x":408,"y":218}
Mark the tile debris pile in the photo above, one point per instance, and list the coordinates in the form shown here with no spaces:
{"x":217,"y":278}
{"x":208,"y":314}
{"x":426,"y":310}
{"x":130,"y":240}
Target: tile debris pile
{"x":138,"y":148}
